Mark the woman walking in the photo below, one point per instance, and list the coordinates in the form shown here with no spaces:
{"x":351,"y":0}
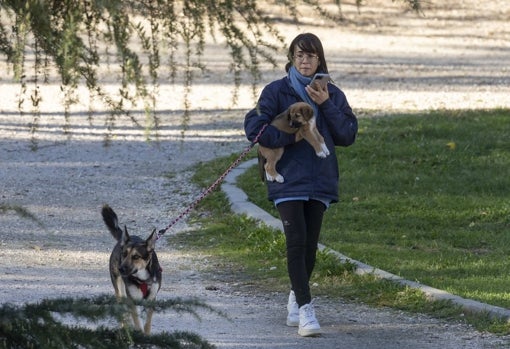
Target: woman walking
{"x":311,"y":182}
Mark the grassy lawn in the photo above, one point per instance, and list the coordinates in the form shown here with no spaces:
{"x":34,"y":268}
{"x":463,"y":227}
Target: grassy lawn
{"x":425,"y":196}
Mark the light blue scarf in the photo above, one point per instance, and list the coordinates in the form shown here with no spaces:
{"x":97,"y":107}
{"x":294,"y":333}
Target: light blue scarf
{"x":299,"y":82}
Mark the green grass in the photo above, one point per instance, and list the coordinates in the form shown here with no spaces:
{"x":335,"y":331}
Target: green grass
{"x":417,"y":206}
{"x":425,"y":196}
{"x":433,"y":214}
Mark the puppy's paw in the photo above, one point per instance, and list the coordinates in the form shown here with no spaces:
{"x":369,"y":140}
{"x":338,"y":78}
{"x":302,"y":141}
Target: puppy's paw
{"x":278,"y":178}
{"x":324,"y":152}
{"x":325,"y":148}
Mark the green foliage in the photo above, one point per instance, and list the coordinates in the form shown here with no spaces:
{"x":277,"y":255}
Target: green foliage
{"x":39,"y":326}
{"x":425,"y":197}
{"x":268,"y":245}
{"x":330,"y":266}
{"x":247,"y":251}
{"x":79,"y":37}
{"x":142,"y":39}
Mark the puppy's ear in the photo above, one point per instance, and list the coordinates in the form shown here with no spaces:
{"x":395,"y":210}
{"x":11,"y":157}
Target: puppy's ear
{"x":151,"y":241}
{"x":308,"y":111}
{"x":288,"y":114}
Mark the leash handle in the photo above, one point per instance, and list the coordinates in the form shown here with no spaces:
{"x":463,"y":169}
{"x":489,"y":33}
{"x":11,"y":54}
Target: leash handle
{"x":214,"y":185}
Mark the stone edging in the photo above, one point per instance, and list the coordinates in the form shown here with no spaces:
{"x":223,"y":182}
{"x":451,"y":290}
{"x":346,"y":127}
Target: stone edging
{"x":240,"y":205}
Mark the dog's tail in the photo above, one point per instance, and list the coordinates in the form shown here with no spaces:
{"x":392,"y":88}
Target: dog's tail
{"x":111,"y":221}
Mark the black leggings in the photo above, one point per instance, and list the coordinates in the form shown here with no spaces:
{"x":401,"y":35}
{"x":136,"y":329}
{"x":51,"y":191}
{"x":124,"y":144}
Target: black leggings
{"x":302,"y":222}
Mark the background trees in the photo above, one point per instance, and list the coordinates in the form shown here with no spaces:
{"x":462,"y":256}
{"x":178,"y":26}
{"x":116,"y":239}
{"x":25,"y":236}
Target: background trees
{"x":138,"y":40}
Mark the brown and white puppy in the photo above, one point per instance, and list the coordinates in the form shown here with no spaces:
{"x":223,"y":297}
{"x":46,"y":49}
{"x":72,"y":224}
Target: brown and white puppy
{"x":298,"y":119}
{"x":134,"y":267}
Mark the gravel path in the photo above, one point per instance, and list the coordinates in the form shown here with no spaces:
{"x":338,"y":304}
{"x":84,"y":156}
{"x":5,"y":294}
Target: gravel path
{"x":71,"y":175}
{"x":64,"y":184}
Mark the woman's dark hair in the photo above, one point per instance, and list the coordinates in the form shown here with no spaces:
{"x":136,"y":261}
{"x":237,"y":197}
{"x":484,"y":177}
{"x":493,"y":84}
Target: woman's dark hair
{"x":308,"y":43}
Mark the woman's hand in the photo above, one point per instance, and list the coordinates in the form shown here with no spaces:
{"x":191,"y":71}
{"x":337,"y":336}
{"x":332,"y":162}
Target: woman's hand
{"x":317,"y":93}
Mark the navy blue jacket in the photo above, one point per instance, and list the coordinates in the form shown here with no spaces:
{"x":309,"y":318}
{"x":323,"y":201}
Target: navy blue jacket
{"x":305,"y":173}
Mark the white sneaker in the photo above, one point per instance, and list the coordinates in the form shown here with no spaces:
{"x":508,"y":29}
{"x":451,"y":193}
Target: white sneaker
{"x":308,"y":324}
{"x":293,"y":311}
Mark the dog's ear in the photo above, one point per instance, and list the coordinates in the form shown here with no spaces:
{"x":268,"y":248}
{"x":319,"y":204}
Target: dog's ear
{"x":308,"y":111}
{"x":151,"y":241}
{"x":125,"y":237}
{"x":288,"y":113}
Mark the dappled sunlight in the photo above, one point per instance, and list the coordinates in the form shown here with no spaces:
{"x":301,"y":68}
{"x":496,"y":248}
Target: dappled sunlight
{"x":63,"y":167}
{"x":54,"y":128}
{"x":452,"y":56}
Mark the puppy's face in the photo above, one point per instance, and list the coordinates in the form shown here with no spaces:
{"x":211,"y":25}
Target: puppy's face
{"x":299,"y":114}
{"x":136,"y":256}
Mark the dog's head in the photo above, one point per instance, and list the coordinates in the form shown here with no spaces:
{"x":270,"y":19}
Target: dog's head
{"x":299,"y":114}
{"x":136,"y":255}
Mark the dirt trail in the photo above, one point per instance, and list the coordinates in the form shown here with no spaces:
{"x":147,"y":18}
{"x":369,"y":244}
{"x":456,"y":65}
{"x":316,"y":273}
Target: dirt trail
{"x":455,"y":57}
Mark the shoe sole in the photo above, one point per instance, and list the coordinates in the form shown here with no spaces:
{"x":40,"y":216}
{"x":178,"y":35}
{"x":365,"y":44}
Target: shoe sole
{"x":309,"y":333}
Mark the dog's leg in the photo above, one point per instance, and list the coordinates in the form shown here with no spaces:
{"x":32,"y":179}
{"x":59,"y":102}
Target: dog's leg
{"x":271,"y":174}
{"x":272,"y":157}
{"x":120,"y":288}
{"x":136,"y":319}
{"x":322,"y":143}
{"x":311,"y":135}
{"x":261,"y":162}
{"x":121,"y":293}
{"x":148,"y":321}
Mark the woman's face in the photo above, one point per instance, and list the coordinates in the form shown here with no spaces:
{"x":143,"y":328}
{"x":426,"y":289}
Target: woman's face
{"x":306,"y":63}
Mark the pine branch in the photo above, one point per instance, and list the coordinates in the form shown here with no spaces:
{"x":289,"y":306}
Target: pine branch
{"x":36,"y":326}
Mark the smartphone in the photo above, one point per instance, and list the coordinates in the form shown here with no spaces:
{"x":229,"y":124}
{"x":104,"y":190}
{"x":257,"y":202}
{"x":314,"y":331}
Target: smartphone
{"x":321,"y":79}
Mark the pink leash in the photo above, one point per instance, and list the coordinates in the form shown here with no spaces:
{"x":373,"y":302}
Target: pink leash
{"x":214,"y":185}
